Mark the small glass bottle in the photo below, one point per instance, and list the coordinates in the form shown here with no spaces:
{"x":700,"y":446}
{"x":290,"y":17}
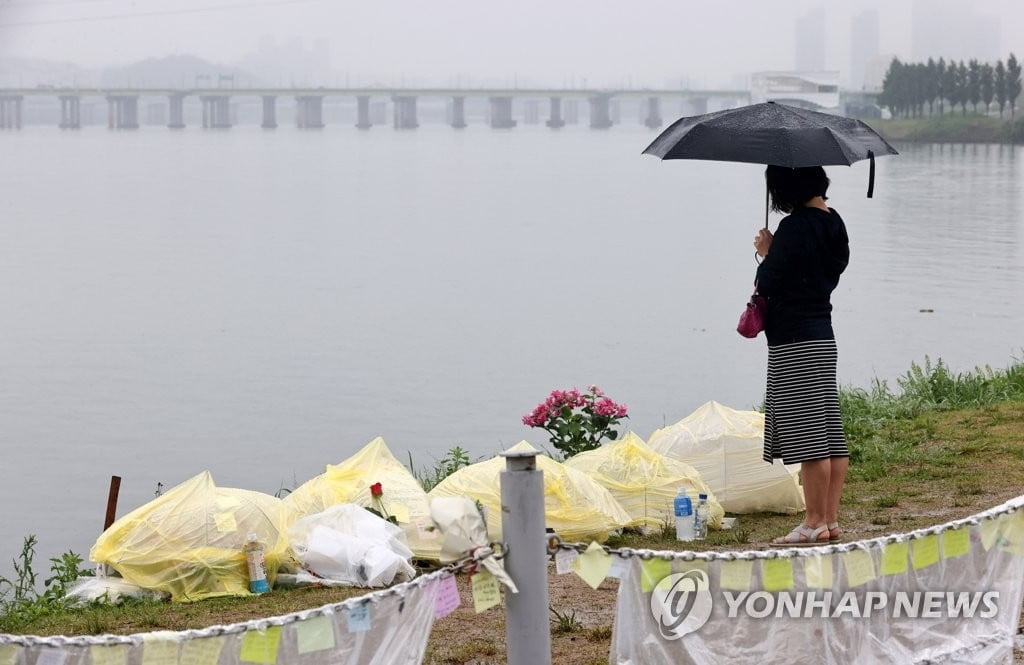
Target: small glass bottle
{"x":257,"y":565}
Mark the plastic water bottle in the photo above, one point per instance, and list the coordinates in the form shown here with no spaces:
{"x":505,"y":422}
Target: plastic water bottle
{"x":257,"y":565}
{"x":683,"y":509}
{"x":700,"y":517}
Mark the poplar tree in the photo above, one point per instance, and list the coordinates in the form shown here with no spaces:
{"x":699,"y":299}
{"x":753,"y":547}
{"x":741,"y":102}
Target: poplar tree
{"x":1000,"y":86}
{"x":974,"y":83}
{"x":1012,"y":81}
{"x":987,"y":85}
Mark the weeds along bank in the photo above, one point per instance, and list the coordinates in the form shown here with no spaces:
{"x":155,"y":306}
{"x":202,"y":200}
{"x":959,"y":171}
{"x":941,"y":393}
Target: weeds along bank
{"x":934,"y":443}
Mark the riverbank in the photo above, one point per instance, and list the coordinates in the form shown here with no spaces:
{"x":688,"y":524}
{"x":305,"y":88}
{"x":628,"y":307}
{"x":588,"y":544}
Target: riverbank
{"x":951,"y":128}
{"x":942,"y":447}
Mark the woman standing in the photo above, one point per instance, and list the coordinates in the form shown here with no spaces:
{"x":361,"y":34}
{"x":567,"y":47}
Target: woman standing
{"x":801,"y":267}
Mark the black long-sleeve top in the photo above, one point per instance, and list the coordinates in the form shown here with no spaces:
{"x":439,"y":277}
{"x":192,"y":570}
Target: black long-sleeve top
{"x":809,"y":251}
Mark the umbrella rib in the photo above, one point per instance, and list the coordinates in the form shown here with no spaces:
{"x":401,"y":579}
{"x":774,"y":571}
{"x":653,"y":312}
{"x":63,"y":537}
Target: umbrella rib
{"x":842,"y":148}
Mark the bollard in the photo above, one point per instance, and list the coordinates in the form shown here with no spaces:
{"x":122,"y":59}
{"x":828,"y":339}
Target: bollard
{"x":527,"y":630}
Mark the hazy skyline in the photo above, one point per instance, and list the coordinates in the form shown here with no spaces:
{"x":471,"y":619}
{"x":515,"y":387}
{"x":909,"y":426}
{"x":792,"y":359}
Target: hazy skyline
{"x":646,"y":42}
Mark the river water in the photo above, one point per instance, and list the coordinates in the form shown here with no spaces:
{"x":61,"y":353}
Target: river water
{"x":261,"y":304}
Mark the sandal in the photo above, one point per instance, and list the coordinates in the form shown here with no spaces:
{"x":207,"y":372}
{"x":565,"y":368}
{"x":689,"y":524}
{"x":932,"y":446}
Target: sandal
{"x":832,"y":536}
{"x":803,"y":536}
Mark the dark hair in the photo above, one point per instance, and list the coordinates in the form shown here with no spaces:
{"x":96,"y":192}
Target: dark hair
{"x":792,"y":188}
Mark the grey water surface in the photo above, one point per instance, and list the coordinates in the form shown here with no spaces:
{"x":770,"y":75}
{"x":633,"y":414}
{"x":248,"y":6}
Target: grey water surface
{"x":261,"y":304}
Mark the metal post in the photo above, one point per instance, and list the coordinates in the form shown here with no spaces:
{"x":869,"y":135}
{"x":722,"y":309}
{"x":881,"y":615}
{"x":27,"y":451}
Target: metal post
{"x":527,"y":631}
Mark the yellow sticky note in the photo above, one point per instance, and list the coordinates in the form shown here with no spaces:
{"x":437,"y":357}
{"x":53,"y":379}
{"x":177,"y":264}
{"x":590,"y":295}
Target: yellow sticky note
{"x":818,"y":572}
{"x":1012,"y":533}
{"x":653,"y":571}
{"x":225,"y":522}
{"x":894,"y":558}
{"x":316,"y":634}
{"x":9,"y":654}
{"x":260,"y":646}
{"x":486,"y":593}
{"x":956,"y":542}
{"x":860,"y":568}
{"x":159,"y":649}
{"x":925,"y":551}
{"x":204,"y":651}
{"x":989,"y":533}
{"x":110,"y":654}
{"x":735,"y":575}
{"x":400,"y":512}
{"x":777,"y":574}
{"x":593,"y":565}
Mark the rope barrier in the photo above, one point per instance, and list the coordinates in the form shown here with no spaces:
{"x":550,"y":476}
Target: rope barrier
{"x":555,"y":543}
{"x":466,"y":564}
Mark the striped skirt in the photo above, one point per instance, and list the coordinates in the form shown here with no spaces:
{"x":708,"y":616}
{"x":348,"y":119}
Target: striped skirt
{"x":801,"y":411}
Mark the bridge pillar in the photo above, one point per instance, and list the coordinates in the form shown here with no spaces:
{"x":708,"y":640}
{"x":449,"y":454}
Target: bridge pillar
{"x":405,"y":112}
{"x":176,"y":111}
{"x":458,"y":112}
{"x":653,"y":118}
{"x":269,"y":112}
{"x":555,"y":117}
{"x":70,"y":112}
{"x":501,"y":113}
{"x":123,"y":112}
{"x":599,"y":113}
{"x":310,"y":112}
{"x":363,"y":112}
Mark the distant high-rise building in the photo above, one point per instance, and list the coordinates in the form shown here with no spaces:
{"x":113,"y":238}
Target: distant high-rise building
{"x":952,"y":30}
{"x":864,"y":45}
{"x":810,"y":41}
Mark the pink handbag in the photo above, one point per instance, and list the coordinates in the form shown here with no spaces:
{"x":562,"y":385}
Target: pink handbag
{"x":752,"y":318}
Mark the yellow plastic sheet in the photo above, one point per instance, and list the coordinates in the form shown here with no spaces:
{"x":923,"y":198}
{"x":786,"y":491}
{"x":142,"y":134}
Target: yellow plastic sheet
{"x":188,"y":542}
{"x":575,"y":505}
{"x":350,"y":481}
{"x":726,"y":446}
{"x":643,"y":481}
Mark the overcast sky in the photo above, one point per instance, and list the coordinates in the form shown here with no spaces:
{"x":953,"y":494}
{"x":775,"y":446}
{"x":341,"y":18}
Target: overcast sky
{"x":547,"y":42}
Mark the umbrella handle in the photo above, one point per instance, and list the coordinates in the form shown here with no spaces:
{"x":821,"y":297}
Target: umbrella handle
{"x":766,"y":197}
{"x":871,"y":174}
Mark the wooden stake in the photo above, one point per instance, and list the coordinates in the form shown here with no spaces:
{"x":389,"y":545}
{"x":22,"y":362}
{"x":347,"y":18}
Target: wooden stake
{"x":115,"y":487}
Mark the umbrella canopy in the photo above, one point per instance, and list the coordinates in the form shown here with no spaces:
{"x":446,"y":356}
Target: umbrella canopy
{"x":770,"y":133}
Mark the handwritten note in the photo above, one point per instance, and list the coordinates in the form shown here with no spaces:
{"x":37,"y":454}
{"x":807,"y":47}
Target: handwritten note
{"x":260,"y":646}
{"x":653,"y":571}
{"x":735,"y":575}
{"x":894,"y":558}
{"x":205,"y":651}
{"x":777,"y":574}
{"x":818,"y":572}
{"x":358,"y":618}
{"x":593,"y":565}
{"x":860,"y":568}
{"x":925,"y":551}
{"x":316,"y":634}
{"x":956,"y":542}
{"x":446,"y":597}
{"x":486,"y":593}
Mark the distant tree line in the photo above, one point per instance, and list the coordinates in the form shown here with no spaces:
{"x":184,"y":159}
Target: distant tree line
{"x":910,"y":87}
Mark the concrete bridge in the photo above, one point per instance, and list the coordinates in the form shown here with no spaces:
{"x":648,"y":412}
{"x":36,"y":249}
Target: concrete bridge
{"x":370,"y":104}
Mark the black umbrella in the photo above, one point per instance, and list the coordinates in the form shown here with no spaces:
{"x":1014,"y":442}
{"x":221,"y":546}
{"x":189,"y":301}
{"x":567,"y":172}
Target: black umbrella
{"x":772,"y":134}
